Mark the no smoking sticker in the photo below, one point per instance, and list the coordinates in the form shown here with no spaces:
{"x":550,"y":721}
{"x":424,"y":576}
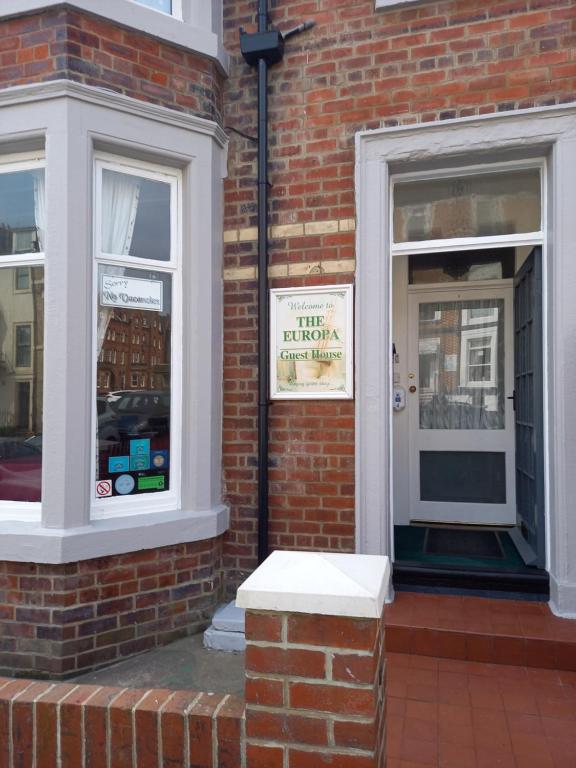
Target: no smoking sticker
{"x":103,"y":488}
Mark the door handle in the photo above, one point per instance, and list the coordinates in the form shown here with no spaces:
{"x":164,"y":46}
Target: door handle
{"x":513,"y":398}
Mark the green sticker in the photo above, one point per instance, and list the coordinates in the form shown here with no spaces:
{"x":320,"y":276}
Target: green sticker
{"x":151,"y":483}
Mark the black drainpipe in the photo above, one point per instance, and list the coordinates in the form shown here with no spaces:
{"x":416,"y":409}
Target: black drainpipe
{"x":262,"y":49}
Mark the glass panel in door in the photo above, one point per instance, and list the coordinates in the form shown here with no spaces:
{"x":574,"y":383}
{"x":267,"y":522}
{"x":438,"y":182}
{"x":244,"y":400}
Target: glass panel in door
{"x":461,"y":364}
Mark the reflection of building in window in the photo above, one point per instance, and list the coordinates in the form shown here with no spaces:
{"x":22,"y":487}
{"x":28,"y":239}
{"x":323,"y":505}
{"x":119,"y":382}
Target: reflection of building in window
{"x":124,"y":353}
{"x":428,"y":357}
{"x":23,"y":338}
{"x":476,"y":315}
{"x":478,"y":357}
{"x":21,"y":350}
{"x":460,"y":373}
{"x":22,"y":279}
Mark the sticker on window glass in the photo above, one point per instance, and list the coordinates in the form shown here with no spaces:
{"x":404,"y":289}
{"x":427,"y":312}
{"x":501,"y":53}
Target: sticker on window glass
{"x":151,"y":483}
{"x":118,"y":464}
{"x":131,"y":292}
{"x":139,"y":463}
{"x":140,"y":447}
{"x":103,"y":488}
{"x":124,"y":484}
{"x":159,"y":459}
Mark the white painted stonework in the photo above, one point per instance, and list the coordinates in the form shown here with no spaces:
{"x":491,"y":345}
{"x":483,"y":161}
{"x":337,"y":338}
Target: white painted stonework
{"x":318,"y":582}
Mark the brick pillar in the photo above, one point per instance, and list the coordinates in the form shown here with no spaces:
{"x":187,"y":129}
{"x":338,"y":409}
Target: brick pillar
{"x":315,"y":661}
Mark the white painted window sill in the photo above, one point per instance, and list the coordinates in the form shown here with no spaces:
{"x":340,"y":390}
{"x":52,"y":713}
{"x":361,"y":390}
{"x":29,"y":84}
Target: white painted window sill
{"x":394,"y":3}
{"x":192,"y":33}
{"x":31,"y":542}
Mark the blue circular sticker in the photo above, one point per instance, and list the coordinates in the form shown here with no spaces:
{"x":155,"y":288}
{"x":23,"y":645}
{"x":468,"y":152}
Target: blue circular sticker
{"x":124,"y":484}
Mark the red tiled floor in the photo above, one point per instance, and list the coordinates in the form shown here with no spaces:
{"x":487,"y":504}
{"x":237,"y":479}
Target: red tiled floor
{"x":512,"y":632}
{"x":445,"y":713}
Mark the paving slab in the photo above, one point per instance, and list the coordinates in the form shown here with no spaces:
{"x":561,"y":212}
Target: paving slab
{"x":182,"y":665}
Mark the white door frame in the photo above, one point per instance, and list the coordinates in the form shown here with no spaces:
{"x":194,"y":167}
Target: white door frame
{"x":470,"y":440}
{"x":544,"y":132}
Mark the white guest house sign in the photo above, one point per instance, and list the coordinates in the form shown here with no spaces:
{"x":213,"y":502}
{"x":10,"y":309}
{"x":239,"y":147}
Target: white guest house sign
{"x":311,"y":342}
{"x":131,"y":292}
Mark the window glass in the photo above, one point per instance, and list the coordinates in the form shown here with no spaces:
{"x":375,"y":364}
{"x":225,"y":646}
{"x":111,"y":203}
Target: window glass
{"x":133,"y":425}
{"x":478,"y":205}
{"x":135,"y":216}
{"x":22,"y":279}
{"x":21,"y":377}
{"x":158,"y":5}
{"x":22,"y":212}
{"x":23,"y":345}
{"x":461,"y":364}
{"x":461,"y":266}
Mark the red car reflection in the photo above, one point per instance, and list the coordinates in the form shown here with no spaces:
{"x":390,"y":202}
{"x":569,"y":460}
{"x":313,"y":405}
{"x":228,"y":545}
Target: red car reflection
{"x":20,"y":470}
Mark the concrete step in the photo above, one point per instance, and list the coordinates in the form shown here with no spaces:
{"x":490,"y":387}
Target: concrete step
{"x":227,"y":630}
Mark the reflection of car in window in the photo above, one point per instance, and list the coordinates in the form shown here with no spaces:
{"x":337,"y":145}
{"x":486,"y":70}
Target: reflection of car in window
{"x":20,"y":470}
{"x":142,"y":412}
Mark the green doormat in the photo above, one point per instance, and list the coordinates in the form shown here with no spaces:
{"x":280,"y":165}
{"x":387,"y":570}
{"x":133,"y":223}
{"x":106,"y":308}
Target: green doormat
{"x":432,"y":545}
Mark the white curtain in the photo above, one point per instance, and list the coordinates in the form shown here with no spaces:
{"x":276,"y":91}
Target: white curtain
{"x":120,"y":195}
{"x":40,"y":208}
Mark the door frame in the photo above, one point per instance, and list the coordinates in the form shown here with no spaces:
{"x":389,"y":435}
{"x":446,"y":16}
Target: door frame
{"x":545,"y":133}
{"x":501,"y":289}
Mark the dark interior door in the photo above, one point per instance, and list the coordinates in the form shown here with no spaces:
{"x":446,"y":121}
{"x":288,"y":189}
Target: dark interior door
{"x":528,"y":376}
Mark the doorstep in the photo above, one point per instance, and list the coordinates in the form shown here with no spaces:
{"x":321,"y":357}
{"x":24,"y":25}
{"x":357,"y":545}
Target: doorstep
{"x":480,"y":629}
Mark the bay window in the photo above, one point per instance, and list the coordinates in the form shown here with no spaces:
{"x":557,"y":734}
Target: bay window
{"x":101,"y":236}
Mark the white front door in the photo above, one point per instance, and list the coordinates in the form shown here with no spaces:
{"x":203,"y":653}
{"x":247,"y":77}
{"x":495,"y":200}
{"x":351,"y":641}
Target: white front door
{"x":461,"y":415}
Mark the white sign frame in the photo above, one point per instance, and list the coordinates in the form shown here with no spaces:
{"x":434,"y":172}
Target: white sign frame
{"x":323,"y":379}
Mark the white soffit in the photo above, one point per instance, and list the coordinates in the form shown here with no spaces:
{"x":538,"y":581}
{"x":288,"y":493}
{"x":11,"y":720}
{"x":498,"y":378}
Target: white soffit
{"x":318,"y":582}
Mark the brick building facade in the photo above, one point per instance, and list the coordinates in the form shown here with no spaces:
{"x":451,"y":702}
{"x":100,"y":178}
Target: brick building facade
{"x":84,"y":583}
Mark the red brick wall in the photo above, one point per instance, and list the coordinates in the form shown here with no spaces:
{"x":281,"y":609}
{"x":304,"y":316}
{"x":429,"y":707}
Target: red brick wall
{"x":87,"y":726}
{"x":60,"y":619}
{"x":358,"y":68}
{"x":64,"y":43}
{"x":315,"y":688}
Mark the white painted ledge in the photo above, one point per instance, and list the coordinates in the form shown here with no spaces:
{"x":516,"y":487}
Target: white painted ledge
{"x":27,"y":542}
{"x":318,"y":582}
{"x":395,"y":3}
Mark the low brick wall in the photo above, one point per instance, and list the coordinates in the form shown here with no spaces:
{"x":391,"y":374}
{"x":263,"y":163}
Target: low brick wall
{"x":59,"y":620}
{"x":315,"y":688}
{"x":83,"y":726}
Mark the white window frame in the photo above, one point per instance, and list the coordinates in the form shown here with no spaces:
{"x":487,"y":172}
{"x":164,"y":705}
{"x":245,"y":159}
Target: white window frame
{"x":395,"y":3}
{"x":23,"y":290}
{"x":468,"y":243}
{"x":176,"y":11}
{"x":16,"y":326}
{"x":466,"y":338}
{"x":160,"y":500}
{"x":12,"y":163}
